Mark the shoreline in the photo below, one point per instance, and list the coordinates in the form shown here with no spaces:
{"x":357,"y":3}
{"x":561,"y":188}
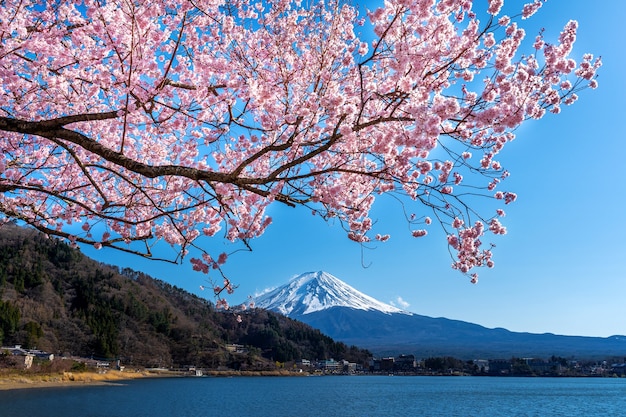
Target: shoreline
{"x":17,"y":380}
{"x":78,"y":379}
{"x":69,"y":379}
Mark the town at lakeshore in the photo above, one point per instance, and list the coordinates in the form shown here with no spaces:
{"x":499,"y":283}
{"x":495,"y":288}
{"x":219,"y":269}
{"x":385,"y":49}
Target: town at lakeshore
{"x":15,"y":360}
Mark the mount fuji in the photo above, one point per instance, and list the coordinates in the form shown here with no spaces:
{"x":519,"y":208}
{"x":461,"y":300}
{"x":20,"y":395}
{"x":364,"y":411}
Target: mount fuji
{"x":317,"y":291}
{"x":346,"y":314}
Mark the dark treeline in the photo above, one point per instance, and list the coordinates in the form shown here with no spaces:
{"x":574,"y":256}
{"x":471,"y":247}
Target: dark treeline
{"x":54,"y":298}
{"x":515,"y":366}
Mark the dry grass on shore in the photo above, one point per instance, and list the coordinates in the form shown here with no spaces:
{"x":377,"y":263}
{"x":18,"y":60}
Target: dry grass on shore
{"x":19,"y":380}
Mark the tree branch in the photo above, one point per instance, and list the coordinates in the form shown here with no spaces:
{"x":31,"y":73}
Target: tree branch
{"x":54,"y":129}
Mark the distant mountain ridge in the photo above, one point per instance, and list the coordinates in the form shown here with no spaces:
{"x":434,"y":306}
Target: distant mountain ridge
{"x":342,"y":312}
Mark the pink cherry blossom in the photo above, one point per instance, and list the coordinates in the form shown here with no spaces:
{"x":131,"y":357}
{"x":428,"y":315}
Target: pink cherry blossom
{"x":171,"y":122}
{"x":198,"y":265}
{"x":382,"y":238}
{"x":495,"y":6}
{"x":504,"y":21}
{"x":496,"y":227}
{"x":531,"y":8}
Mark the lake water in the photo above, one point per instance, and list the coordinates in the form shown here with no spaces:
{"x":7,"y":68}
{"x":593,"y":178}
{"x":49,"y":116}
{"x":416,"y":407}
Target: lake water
{"x":326,"y":396}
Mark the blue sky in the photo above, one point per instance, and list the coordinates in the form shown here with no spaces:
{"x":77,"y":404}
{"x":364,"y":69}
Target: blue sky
{"x":560,"y":268}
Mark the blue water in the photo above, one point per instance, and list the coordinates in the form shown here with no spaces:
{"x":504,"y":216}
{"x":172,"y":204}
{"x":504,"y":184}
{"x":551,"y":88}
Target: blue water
{"x":326,"y":396}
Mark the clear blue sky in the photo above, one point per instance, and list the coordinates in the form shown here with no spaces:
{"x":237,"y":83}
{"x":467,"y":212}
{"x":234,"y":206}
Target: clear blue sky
{"x":561,"y":267}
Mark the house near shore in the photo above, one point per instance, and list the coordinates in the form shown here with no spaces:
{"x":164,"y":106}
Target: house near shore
{"x":25,"y":356}
{"x":22,"y":356}
{"x":619,"y":369}
{"x":303,"y":363}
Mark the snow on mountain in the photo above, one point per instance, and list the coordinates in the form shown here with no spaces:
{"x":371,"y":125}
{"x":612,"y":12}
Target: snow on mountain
{"x":317,"y":291}
{"x":336,"y":309}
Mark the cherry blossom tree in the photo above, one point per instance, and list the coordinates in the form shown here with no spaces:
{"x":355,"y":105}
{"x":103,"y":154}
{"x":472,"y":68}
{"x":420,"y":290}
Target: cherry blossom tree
{"x":126,"y":123}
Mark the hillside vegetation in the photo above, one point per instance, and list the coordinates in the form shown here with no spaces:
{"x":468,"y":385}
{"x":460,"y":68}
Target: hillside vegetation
{"x":56,"y":299}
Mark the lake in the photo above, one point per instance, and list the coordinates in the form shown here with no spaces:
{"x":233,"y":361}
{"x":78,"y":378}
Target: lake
{"x":326,"y":396}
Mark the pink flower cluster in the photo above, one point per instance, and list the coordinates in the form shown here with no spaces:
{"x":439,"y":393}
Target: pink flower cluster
{"x":467,"y":243}
{"x":495,"y":6}
{"x":176,"y":121}
{"x":531,"y":8}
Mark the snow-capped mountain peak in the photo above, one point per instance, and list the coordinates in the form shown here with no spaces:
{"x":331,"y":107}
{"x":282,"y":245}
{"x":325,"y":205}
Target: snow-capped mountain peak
{"x":316,"y":291}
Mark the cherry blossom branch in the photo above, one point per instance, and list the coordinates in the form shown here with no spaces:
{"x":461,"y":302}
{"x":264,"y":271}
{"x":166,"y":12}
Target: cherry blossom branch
{"x":191,"y":119}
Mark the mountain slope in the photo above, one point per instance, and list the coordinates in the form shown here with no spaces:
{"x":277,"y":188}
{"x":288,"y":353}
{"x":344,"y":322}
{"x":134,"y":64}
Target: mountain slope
{"x":55,"y":298}
{"x":386,"y":332}
{"x":318,"y":291}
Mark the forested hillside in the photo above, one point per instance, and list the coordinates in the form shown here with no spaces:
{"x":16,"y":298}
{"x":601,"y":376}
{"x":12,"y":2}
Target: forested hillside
{"x":56,"y":299}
